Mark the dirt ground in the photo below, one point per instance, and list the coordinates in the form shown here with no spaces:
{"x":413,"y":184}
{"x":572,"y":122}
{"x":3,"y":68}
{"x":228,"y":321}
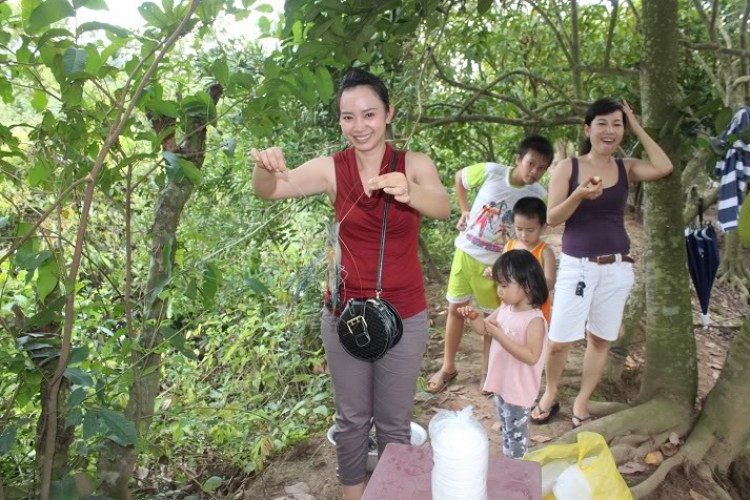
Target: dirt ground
{"x":314,"y":463}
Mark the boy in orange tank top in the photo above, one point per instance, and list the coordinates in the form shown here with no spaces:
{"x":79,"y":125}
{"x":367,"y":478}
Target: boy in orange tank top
{"x":530,"y":221}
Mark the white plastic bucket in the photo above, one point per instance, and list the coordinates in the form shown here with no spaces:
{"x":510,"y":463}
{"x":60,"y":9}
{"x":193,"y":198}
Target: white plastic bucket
{"x":418,"y":438}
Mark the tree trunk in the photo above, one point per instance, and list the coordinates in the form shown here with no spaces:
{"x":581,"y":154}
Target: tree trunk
{"x":630,"y":330}
{"x":116,"y":462}
{"x":671,"y":368}
{"x":732,"y":270}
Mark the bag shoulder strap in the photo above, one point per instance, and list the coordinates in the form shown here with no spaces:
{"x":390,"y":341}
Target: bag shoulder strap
{"x":379,"y":285}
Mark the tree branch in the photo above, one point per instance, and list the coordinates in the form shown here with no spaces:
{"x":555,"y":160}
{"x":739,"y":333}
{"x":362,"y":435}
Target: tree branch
{"x":715,"y":47}
{"x":635,"y":15}
{"x":554,"y":29}
{"x":611,"y":33}
{"x":710,"y":198}
{"x":743,"y":43}
{"x":115,"y":131}
{"x":623,"y":72}
{"x":540,"y":123}
{"x":714,"y":12}
{"x":704,"y":17}
{"x":575,"y":51}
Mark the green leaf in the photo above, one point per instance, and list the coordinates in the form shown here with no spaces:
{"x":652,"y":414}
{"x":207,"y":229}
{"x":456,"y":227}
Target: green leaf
{"x":53,"y":33}
{"x":220,"y":71}
{"x":96,"y":25}
{"x":264,"y":8}
{"x":47,"y":280}
{"x":199,"y":105}
{"x":166,"y":108}
{"x":91,"y":424}
{"x":78,"y":377}
{"x":76,"y":397}
{"x":175,"y":173}
{"x":483,"y":6}
{"x":64,"y":489}
{"x":48,"y":315}
{"x":177,"y":340}
{"x":93,"y":60}
{"x":78,"y":355}
{"x":73,"y":94}
{"x":257,"y":286}
{"x":121,"y":430}
{"x":91,"y":4}
{"x":212,"y":484}
{"x":30,"y":261}
{"x":7,"y":439}
{"x":39,"y":101}
{"x":323,"y":83}
{"x":74,"y":60}
{"x":75,"y":416}
{"x":50,"y":12}
{"x":209,"y":9}
{"x":153,"y":15}
{"x":211,"y":282}
{"x":194,"y":175}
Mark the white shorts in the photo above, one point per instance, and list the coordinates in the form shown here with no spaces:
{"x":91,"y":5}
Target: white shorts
{"x":600,"y":309}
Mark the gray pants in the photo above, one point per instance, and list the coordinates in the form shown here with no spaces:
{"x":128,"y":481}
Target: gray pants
{"x":383,"y":391}
{"x":515,"y":420}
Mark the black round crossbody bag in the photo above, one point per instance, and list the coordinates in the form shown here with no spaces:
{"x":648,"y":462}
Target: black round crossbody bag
{"x":369,"y":327}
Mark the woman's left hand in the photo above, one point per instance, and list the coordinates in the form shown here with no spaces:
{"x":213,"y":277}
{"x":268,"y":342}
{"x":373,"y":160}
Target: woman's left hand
{"x":394,"y":183}
{"x":492,"y":326}
{"x":632,"y":120}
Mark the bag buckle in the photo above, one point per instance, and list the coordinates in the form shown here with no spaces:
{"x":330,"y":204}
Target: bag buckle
{"x":354,"y":324}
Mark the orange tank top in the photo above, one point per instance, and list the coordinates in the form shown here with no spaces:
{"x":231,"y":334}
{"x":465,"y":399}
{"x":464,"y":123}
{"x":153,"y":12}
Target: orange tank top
{"x":538,"y":252}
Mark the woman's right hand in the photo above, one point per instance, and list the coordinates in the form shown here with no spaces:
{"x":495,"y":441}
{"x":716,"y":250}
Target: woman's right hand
{"x":271,"y":159}
{"x":590,"y":189}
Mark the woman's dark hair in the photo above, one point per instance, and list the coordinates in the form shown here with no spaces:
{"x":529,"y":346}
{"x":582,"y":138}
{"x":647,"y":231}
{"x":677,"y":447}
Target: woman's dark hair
{"x":603,"y":106}
{"x":531,"y":207}
{"x":356,"y":77}
{"x":523,"y":268}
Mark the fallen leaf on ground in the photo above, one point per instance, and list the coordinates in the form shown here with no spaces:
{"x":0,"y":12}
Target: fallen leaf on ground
{"x":541,"y":439}
{"x":716,"y":366}
{"x":654,"y":458}
{"x":694,"y":495}
{"x":456,"y":388}
{"x":631,"y":468}
{"x":710,"y":345}
{"x":496,"y":426}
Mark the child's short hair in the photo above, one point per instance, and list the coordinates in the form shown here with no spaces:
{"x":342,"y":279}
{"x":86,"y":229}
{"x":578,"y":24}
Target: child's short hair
{"x":523,"y":268}
{"x":537,"y":143}
{"x":531,"y":207}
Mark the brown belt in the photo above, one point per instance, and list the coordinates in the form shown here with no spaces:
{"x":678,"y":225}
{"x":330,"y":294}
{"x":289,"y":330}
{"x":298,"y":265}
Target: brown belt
{"x":611,"y":259}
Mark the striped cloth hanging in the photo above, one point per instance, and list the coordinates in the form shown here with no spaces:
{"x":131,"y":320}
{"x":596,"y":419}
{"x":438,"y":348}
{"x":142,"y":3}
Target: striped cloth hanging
{"x":734,"y":172}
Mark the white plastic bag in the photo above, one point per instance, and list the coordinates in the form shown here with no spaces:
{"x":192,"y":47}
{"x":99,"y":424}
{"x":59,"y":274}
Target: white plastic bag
{"x":460,"y":451}
{"x":572,"y":485}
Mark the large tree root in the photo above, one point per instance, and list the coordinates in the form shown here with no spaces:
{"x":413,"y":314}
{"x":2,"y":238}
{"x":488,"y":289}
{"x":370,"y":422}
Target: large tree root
{"x":652,"y":418}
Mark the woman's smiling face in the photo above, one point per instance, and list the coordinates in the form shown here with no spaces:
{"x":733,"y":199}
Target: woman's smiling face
{"x":363,"y":117}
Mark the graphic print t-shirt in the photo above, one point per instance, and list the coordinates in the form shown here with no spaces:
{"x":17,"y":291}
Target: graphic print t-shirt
{"x":490,"y":223}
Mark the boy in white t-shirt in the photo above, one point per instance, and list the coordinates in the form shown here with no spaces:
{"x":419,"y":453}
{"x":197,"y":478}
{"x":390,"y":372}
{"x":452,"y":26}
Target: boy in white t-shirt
{"x":484,"y":231}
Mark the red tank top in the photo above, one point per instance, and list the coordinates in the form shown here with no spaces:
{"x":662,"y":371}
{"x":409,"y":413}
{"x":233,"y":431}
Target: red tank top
{"x":361,"y":220}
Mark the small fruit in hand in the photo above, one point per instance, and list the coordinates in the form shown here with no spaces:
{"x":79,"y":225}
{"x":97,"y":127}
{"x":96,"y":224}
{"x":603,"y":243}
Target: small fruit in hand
{"x":596,"y":179}
{"x":472,"y":315}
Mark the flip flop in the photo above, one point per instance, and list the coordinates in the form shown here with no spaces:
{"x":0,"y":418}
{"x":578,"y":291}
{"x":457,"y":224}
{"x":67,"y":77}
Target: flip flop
{"x":581,"y":420}
{"x":551,"y":412}
{"x":440,"y":381}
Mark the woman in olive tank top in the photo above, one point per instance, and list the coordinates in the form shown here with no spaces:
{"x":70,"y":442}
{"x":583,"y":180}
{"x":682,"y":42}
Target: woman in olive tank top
{"x":589,"y":194}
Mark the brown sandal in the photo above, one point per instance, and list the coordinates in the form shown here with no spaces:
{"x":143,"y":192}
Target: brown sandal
{"x":439,"y":381}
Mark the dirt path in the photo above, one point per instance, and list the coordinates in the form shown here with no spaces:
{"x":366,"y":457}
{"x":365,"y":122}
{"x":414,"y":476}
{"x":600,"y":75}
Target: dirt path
{"x":314,"y":463}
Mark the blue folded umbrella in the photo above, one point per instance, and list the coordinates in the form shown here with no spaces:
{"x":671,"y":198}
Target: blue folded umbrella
{"x":703,"y":263}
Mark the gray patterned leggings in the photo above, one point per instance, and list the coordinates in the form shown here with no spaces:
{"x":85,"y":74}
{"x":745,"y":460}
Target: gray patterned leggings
{"x":515,"y":420}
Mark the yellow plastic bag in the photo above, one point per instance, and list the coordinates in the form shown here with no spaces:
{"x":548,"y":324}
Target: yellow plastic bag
{"x":594,"y":459}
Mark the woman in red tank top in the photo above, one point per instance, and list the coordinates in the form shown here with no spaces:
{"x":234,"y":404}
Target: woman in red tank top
{"x":357,"y":180}
{"x":589,"y":195}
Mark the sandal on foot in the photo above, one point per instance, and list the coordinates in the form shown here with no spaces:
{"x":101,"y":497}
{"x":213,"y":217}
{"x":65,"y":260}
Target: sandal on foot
{"x":581,"y":420}
{"x":551,"y":412}
{"x":439,"y":381}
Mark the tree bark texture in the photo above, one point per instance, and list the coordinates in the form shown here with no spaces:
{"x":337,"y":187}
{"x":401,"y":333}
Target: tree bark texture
{"x":671,"y":368}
